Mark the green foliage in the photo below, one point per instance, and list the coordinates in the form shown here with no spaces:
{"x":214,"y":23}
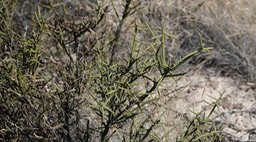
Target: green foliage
{"x":70,"y":79}
{"x":201,"y":127}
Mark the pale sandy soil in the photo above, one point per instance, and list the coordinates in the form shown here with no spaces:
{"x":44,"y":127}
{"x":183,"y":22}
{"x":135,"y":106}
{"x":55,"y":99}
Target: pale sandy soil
{"x":236,"y":113}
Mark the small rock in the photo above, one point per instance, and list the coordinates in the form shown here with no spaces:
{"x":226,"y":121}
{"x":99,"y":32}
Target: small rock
{"x":252,"y":136}
{"x":244,"y":87}
{"x":238,"y":106}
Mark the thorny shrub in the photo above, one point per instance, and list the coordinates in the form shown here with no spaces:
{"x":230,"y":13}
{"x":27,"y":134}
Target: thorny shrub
{"x":72,"y":76}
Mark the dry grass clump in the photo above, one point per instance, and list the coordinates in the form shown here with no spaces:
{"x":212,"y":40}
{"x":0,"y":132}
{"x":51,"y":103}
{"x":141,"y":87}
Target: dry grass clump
{"x":235,"y":19}
{"x":227,"y":26}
